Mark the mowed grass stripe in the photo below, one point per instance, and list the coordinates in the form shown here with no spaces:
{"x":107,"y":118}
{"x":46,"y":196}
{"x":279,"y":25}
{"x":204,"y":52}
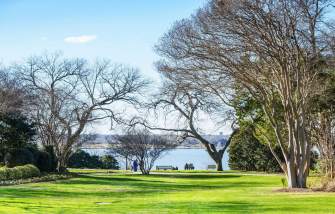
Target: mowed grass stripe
{"x":165,"y":193}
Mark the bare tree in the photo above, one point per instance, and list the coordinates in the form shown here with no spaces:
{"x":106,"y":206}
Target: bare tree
{"x":142,"y":146}
{"x":116,"y":149}
{"x":68,"y":94}
{"x":10,"y":88}
{"x":270,"y":48}
{"x":180,"y":101}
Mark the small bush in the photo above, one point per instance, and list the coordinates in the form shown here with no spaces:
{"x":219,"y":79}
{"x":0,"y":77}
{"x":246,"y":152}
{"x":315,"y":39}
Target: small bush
{"x":53,"y":158}
{"x":19,"y":172}
{"x":284,"y":182}
{"x":43,"y":161}
{"x":44,"y":178}
{"x":109,"y":162}
{"x":19,"y":157}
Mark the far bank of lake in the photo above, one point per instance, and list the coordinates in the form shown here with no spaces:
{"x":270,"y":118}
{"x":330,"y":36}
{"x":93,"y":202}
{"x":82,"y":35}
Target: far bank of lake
{"x":177,"y":158}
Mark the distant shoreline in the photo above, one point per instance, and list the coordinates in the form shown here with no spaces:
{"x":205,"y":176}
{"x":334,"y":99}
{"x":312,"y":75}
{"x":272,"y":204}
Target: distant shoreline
{"x":106,"y":146}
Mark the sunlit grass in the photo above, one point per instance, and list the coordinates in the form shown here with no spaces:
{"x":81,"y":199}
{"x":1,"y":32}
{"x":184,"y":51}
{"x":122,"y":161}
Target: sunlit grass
{"x":101,"y":192}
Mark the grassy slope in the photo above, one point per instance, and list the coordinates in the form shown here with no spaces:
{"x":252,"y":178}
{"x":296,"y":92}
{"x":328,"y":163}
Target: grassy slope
{"x":169,"y":193}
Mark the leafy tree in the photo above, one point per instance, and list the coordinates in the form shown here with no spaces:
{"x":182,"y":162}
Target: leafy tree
{"x":247,"y":153}
{"x":16,"y":132}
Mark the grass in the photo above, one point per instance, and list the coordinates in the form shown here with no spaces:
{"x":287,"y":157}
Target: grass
{"x":101,"y":192}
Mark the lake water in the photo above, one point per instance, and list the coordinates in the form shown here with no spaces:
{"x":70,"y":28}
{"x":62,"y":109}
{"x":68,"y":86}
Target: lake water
{"x":177,"y":157}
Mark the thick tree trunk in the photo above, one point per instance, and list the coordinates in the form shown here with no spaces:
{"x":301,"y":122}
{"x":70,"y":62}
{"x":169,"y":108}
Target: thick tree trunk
{"x":298,"y":158}
{"x":145,"y":172}
{"x":61,"y":166}
{"x":219,"y":165}
{"x":62,"y":161}
{"x":295,"y":179}
{"x":291,"y":175}
{"x":297,"y":150}
{"x":143,"y":169}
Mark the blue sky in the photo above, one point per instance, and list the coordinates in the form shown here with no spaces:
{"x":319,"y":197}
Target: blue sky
{"x":124,"y":31}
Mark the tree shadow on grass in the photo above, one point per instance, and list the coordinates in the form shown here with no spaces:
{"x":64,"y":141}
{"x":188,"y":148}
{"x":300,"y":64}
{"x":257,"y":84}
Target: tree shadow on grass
{"x":73,"y":194}
{"x":210,"y":207}
{"x":227,"y":207}
{"x":196,"y":176}
{"x":124,"y":186}
{"x":136,"y":183}
{"x":144,"y":183}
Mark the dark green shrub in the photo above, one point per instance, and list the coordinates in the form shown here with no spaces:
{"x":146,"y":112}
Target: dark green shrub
{"x":17,"y":157}
{"x":53,"y":158}
{"x":19,"y":172}
{"x":16,"y":132}
{"x":109,"y":162}
{"x":43,"y":161}
{"x":94,"y":162}
{"x":247,"y":153}
{"x":82,"y":159}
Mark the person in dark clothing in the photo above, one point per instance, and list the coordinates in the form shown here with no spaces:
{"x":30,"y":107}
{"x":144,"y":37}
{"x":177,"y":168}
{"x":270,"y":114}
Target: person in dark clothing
{"x":135,"y":165}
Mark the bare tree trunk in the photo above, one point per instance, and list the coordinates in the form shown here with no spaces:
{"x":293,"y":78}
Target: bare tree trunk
{"x":63,"y":159}
{"x":291,"y":174}
{"x":295,"y":178}
{"x":143,"y":168}
{"x":61,"y":165}
{"x":126,"y":163}
{"x":298,"y":158}
{"x":219,"y":165}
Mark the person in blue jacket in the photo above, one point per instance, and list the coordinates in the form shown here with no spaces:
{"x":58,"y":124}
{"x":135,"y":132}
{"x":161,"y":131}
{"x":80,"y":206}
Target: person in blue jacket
{"x":135,"y":165}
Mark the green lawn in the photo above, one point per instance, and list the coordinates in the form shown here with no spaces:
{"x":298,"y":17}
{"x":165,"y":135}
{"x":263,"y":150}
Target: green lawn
{"x":98,"y":192}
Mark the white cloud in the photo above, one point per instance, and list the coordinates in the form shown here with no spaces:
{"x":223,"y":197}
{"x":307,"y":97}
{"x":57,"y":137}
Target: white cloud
{"x":80,"y":39}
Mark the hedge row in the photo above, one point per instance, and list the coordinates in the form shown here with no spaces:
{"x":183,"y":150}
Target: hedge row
{"x":43,"y":178}
{"x":19,"y":172}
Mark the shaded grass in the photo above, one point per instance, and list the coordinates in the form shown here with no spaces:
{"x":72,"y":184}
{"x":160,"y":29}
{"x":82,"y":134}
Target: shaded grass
{"x":98,"y":192}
